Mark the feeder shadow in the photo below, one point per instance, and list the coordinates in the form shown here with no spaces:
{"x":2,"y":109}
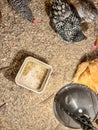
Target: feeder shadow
{"x":87,"y":58}
{"x":10,"y":72}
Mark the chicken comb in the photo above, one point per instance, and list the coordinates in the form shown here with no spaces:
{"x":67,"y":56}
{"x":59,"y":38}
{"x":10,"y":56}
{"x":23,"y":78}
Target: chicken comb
{"x":95,"y":44}
{"x":35,"y":21}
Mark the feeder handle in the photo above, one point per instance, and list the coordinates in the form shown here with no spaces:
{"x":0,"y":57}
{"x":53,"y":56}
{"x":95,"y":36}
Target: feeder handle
{"x":83,"y":120}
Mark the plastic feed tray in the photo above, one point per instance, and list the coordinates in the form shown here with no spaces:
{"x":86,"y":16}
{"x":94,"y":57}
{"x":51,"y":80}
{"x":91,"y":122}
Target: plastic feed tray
{"x":33,"y":74}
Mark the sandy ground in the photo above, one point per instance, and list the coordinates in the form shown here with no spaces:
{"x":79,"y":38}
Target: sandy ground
{"x":23,"y":109}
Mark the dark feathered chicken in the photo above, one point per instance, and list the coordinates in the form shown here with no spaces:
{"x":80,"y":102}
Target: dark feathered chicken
{"x":86,"y":9}
{"x":21,"y":6}
{"x":65,"y":21}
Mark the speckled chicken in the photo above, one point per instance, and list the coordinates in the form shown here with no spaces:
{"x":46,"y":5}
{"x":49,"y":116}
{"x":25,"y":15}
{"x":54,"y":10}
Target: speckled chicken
{"x":65,"y":20}
{"x":21,"y":6}
{"x":86,"y":10}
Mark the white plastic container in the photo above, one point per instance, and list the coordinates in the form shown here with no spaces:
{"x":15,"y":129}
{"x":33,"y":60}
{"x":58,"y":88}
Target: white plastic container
{"x":33,"y":75}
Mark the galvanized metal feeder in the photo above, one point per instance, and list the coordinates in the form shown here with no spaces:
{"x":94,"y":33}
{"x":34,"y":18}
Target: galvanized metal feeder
{"x":76,"y":106}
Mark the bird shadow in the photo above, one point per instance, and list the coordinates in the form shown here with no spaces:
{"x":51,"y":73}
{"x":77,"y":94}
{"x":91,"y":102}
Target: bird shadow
{"x":85,"y":26}
{"x":11,"y":71}
{"x":48,"y":6}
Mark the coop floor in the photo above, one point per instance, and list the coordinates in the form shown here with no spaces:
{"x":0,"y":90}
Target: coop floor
{"x":22,"y":109}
